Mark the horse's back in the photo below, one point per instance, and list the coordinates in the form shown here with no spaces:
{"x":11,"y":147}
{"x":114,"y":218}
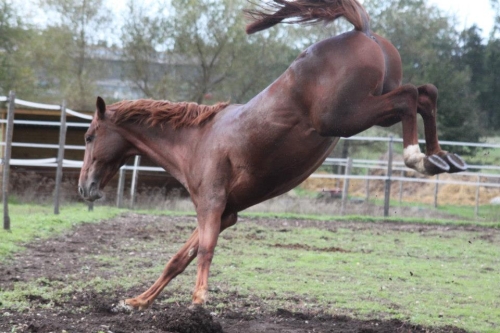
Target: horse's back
{"x":271,"y":144}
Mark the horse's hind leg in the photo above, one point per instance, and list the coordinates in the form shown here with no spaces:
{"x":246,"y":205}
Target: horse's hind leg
{"x":402,"y":103}
{"x":176,"y":265}
{"x":398,"y":105}
{"x":427,"y":108}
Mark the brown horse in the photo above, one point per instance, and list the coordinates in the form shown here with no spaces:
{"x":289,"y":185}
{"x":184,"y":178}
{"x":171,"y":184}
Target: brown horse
{"x":230,"y":157}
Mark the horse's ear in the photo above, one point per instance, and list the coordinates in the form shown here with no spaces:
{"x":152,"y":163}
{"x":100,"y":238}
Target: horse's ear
{"x":101,"y":107}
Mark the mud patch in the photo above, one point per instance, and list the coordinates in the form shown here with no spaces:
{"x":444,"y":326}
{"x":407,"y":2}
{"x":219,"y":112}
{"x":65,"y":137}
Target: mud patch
{"x":309,"y":248}
{"x":186,"y":320}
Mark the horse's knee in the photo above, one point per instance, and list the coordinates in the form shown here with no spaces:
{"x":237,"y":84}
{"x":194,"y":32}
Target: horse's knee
{"x":205,"y":253}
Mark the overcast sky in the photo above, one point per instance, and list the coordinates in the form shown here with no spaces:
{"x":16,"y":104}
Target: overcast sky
{"x":467,"y":12}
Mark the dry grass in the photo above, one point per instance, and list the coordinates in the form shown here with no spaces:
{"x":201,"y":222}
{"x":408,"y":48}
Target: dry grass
{"x":412,"y":192}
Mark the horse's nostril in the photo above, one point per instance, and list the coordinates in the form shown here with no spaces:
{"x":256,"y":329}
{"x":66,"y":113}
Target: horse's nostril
{"x":80,"y":190}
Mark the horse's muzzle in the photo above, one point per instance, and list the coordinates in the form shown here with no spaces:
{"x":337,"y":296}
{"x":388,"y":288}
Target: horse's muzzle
{"x":90,"y":193}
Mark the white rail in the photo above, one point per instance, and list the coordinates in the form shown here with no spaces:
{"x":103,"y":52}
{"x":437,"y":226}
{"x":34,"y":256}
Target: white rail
{"x":52,"y":162}
{"x":45,"y":123}
{"x":42,"y":106}
{"x":357,"y":163}
{"x":449,"y":143}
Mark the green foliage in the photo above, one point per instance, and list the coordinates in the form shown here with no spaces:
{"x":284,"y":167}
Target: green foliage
{"x":15,"y":38}
{"x":204,"y":60}
{"x":63,"y":51}
{"x":144,"y":36}
{"x":489,"y":97}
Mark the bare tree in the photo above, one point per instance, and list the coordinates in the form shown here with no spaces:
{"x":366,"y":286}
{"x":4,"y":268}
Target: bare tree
{"x":77,"y":27}
{"x":198,"y":50}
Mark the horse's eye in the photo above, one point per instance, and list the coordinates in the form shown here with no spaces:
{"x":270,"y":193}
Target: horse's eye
{"x":88,"y":139}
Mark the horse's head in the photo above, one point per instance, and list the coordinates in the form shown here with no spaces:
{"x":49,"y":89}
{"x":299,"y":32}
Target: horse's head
{"x":106,"y":151}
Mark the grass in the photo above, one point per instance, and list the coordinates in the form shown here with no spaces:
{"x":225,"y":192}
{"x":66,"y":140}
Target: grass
{"x":465,"y":214}
{"x":34,"y":221}
{"x":485,"y":213}
{"x":434,"y":278}
{"x":362,"y":218}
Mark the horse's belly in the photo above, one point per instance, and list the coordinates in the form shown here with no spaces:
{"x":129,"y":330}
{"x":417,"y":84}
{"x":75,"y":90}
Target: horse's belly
{"x":270,"y":177}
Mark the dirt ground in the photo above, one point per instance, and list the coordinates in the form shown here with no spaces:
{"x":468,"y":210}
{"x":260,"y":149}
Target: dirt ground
{"x":91,"y":311}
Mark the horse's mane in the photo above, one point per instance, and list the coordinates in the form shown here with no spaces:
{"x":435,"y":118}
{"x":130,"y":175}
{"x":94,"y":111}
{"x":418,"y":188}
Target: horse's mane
{"x":153,"y":112}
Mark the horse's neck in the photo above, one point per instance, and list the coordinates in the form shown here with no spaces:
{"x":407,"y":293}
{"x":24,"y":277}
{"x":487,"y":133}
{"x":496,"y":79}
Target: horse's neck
{"x":165,"y":146}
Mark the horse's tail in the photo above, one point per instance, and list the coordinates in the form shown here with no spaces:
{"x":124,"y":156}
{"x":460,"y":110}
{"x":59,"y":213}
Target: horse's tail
{"x":308,"y":11}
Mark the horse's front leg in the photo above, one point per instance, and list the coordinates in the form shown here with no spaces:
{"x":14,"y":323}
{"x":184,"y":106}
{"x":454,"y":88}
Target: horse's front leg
{"x":209,"y":226}
{"x":427,"y":108}
{"x":176,"y":265}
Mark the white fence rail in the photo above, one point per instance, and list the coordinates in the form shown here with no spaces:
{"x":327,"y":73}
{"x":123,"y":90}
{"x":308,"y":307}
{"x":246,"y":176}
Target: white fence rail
{"x":492,"y":179}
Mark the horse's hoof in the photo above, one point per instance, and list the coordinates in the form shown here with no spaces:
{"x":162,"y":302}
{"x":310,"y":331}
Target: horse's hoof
{"x":195,"y":307}
{"x":434,"y":165}
{"x":122,"y":307}
{"x":456,"y":163}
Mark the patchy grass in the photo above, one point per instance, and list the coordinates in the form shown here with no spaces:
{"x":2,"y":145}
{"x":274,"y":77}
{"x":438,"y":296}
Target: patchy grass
{"x":356,"y":218}
{"x":461,"y":214}
{"x":485,"y":213}
{"x":432,"y":278}
{"x":29,"y":222}
{"x":435,"y":277}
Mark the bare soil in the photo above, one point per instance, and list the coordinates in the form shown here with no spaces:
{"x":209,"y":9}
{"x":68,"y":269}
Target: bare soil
{"x":92,"y":311}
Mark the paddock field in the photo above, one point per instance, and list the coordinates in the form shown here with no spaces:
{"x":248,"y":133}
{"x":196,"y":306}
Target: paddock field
{"x":269,"y":274}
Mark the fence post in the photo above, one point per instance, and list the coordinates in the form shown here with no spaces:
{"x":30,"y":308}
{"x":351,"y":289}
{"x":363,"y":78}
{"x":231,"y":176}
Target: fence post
{"x":60,"y":158}
{"x":476,"y":209}
{"x":436,"y":190}
{"x":367,"y":186}
{"x":387,"y":190}
{"x":345,"y":189}
{"x":345,"y":154}
{"x":133,"y":187}
{"x":401,"y":187}
{"x":6,"y":160}
{"x":120,"y":190}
